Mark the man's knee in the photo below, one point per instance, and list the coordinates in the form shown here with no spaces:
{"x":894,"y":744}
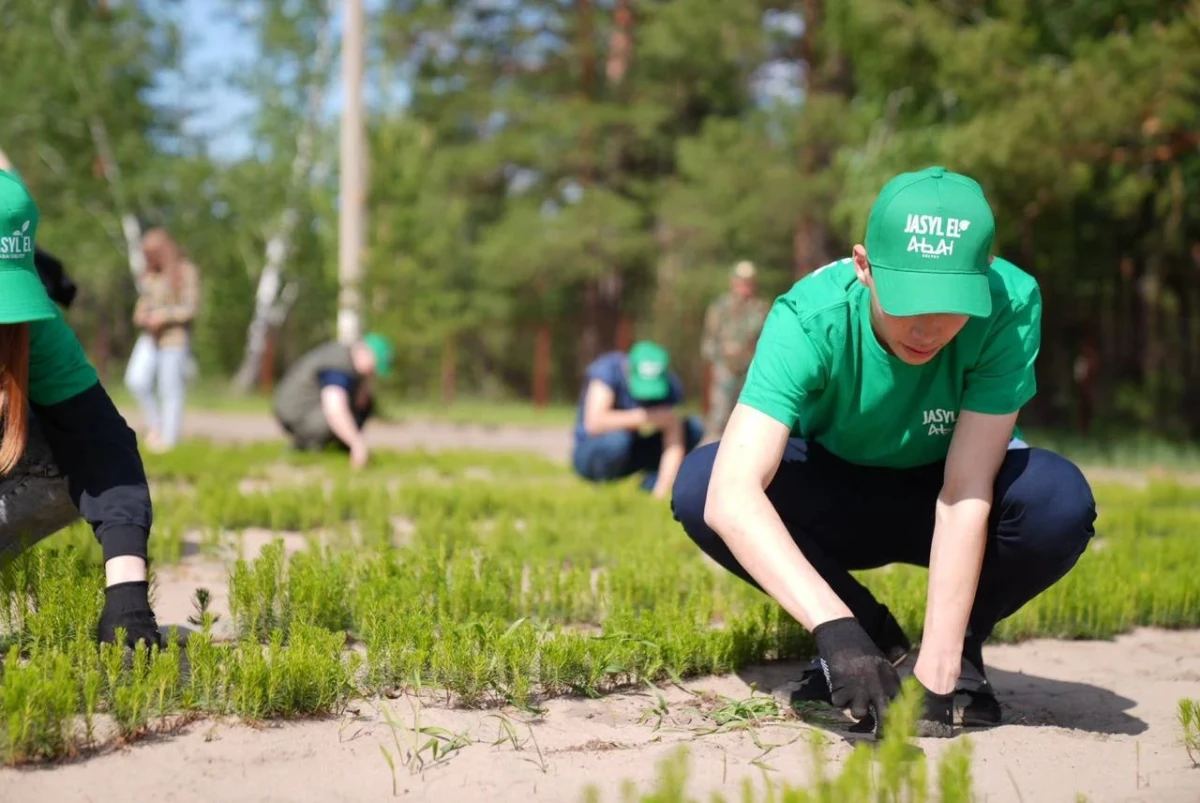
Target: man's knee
{"x":1048,"y":508}
{"x":603,"y":457}
{"x":690,"y":491}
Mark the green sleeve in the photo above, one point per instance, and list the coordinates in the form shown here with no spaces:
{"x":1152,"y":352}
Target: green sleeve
{"x":1004,"y":379}
{"x":786,"y":368}
{"x":58,"y":367}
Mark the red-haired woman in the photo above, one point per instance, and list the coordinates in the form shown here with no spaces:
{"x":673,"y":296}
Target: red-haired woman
{"x":64,"y":448}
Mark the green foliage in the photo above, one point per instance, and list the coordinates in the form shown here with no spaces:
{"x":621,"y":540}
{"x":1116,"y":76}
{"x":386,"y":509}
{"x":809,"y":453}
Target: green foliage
{"x":1189,"y":724}
{"x":545,"y":163}
{"x":492,"y":579}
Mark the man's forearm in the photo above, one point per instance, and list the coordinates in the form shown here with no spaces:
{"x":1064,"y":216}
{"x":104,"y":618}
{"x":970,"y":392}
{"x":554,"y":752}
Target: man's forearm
{"x":614,"y":420}
{"x":672,"y":457}
{"x":751,"y":528}
{"x":955,"y":560}
{"x":341,"y":422}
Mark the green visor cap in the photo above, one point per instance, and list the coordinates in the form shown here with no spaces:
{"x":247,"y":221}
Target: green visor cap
{"x":648,"y":377}
{"x":23,"y":297}
{"x":384,"y":353}
{"x":929,"y":240}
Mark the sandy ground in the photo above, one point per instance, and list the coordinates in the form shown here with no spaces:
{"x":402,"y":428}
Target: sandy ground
{"x":1089,"y":717}
{"x":1096,"y":718}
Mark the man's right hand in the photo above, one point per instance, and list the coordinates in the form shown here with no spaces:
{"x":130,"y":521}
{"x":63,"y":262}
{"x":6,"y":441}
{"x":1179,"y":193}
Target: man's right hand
{"x":660,"y":417}
{"x":359,"y":455}
{"x":859,"y":674}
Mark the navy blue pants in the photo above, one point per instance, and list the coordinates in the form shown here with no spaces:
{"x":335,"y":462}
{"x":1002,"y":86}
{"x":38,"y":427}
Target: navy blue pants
{"x":846,"y":517}
{"x":616,"y":455}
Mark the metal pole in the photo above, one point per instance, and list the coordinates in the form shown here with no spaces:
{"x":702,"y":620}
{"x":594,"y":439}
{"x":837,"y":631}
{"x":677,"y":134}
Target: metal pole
{"x":351,"y":176}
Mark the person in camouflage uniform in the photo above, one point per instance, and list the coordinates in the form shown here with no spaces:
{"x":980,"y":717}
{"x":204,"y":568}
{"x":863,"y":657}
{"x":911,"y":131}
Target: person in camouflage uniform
{"x":731,"y":328}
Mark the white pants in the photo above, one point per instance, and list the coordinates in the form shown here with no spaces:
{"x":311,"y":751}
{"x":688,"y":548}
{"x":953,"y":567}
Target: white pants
{"x":147,"y":362}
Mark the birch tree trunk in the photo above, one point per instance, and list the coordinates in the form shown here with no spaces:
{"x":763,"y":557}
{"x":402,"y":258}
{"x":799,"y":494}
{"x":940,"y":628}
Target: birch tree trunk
{"x":131,"y":230}
{"x":273,"y":298}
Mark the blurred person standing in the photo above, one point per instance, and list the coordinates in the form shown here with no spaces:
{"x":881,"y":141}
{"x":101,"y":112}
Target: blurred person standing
{"x":731,"y":328}
{"x":168,"y":301}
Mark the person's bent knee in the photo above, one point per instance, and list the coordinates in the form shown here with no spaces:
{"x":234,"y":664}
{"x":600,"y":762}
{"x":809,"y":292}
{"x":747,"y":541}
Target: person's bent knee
{"x":600,"y":458}
{"x":1053,"y":507}
{"x":690,"y":490}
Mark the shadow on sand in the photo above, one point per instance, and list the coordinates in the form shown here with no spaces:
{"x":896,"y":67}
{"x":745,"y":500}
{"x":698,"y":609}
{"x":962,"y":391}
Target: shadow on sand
{"x":1025,"y":700}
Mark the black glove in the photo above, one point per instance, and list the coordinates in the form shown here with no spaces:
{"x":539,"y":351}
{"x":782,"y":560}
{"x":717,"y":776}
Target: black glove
{"x":937,"y":715}
{"x":858,"y":673}
{"x":127,"y":605}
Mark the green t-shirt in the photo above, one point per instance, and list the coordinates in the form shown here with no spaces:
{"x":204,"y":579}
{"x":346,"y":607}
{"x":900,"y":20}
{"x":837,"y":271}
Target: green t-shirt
{"x":820,"y":370}
{"x":58,"y":366}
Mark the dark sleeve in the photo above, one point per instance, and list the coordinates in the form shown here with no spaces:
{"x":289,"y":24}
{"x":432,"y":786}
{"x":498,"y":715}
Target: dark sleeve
{"x":97,"y":453}
{"x":607,"y":369}
{"x":677,"y":394}
{"x":339,"y":378}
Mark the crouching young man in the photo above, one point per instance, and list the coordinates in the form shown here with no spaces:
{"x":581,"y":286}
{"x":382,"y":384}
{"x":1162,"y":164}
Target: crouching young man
{"x":326,"y":397}
{"x":878,"y":426}
{"x":627,"y":421}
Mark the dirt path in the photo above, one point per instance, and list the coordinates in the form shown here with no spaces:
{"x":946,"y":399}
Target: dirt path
{"x":552,"y":443}
{"x":431,"y":435}
{"x":1085,"y":717}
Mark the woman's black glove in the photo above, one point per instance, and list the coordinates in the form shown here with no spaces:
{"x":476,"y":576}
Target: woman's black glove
{"x":127,"y":605}
{"x":860,"y":676}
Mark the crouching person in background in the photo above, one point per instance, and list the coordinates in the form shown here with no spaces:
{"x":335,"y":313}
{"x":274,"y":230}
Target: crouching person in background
{"x":64,"y":447}
{"x":326,"y":397}
{"x":627,"y":420}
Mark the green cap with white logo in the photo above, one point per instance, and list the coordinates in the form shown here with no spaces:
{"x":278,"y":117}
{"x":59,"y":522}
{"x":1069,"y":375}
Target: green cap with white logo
{"x":648,"y":377}
{"x":385,"y":353}
{"x":929,"y":240}
{"x":23,"y":297}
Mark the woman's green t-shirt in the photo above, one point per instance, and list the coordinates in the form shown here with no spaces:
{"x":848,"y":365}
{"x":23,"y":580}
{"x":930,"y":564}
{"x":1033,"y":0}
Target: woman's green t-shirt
{"x":58,"y":366}
{"x":820,"y":370}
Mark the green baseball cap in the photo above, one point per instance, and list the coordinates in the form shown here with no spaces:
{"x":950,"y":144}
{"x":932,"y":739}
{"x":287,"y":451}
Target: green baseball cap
{"x":648,"y":377}
{"x":928,"y":240}
{"x":23,"y":297}
{"x":381,"y":347}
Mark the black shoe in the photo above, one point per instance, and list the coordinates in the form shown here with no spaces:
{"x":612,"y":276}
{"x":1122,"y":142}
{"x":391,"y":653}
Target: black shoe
{"x":975,"y":702}
{"x":812,"y":688}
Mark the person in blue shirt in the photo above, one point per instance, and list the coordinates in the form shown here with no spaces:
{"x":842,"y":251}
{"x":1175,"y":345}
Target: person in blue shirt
{"x":627,"y":421}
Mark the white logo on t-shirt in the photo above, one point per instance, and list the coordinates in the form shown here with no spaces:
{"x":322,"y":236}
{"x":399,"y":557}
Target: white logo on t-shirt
{"x":942,"y":232}
{"x":940,"y":421}
{"x":17,"y":245}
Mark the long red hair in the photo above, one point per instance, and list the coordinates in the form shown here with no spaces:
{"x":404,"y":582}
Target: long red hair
{"x":14,"y":388}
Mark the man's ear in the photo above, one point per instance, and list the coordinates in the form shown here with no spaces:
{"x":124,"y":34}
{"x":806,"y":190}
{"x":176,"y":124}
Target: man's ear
{"x":861,"y":266}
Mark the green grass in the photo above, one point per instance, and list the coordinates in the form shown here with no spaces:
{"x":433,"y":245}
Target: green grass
{"x":1189,"y":724}
{"x":487,"y":579}
{"x":1123,"y":450}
